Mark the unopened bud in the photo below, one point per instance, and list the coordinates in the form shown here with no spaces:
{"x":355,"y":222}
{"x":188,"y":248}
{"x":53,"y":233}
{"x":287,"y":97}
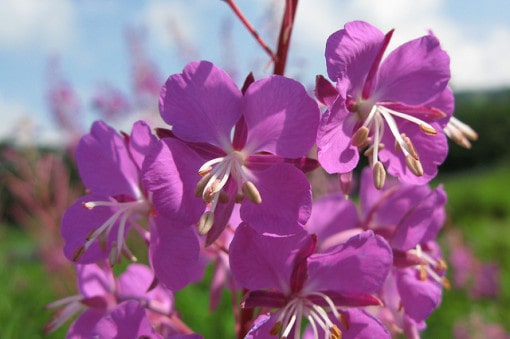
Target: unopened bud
{"x":414,"y":165}
{"x":205,"y":223}
{"x":379,"y":174}
{"x":251,"y":192}
{"x":360,"y":137}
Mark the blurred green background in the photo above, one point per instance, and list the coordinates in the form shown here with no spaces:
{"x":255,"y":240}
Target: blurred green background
{"x":477,"y":182}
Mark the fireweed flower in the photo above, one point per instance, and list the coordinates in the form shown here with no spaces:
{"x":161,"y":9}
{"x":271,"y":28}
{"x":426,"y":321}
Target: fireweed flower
{"x":396,"y":108}
{"x":96,"y":225}
{"x":101,"y":293}
{"x":409,"y":217}
{"x":240,"y":143}
{"x":285,"y":274}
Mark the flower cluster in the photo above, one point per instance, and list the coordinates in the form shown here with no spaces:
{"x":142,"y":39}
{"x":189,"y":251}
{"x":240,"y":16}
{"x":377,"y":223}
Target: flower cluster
{"x":226,"y":183}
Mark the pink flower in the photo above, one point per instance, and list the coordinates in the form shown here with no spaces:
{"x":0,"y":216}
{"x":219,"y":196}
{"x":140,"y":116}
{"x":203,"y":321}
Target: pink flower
{"x":100,"y":293}
{"x":285,"y":274}
{"x":396,"y":107}
{"x":243,"y":145}
{"x":96,"y":225}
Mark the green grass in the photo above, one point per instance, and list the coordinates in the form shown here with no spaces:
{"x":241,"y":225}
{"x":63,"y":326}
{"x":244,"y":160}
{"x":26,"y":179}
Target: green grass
{"x":26,"y":288}
{"x":478,"y":204}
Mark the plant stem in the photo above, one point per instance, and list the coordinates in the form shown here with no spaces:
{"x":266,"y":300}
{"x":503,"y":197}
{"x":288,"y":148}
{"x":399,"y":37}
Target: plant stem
{"x":284,"y":37}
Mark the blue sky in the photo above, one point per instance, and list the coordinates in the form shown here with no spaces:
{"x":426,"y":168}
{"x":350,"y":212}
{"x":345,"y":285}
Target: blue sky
{"x":88,"y":37}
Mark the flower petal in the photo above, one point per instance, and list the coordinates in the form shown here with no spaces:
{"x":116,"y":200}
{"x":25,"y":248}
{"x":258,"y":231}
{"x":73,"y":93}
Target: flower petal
{"x":83,"y":326}
{"x":360,"y":325}
{"x":170,"y":173}
{"x":79,"y":222}
{"x":281,"y":117}
{"x":336,"y":154}
{"x":432,"y":151}
{"x":419,"y":298}
{"x":140,"y":142}
{"x":127,"y":320}
{"x":286,"y":200}
{"x":174,"y":254}
{"x":331,"y":215}
{"x":104,"y":162}
{"x":414,"y":73}
{"x":264,"y":261}
{"x":94,"y":280}
{"x":358,"y":266}
{"x":202,"y":104}
{"x":351,"y":51}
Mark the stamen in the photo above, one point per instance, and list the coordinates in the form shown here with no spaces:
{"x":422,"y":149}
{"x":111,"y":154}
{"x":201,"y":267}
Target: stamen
{"x":199,"y":190}
{"x":251,"y":192}
{"x":414,"y":165}
{"x":207,"y":166}
{"x":379,"y":174}
{"x":427,"y":129}
{"x":460,"y":132}
{"x":410,"y":146}
{"x":360,"y":137}
{"x":206,"y":222}
{"x":335,"y":332}
{"x":424,"y":126}
{"x":125,"y":211}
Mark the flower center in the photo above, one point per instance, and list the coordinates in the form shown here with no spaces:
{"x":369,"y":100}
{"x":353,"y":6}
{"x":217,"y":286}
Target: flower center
{"x":300,"y":307}
{"x":215,"y":174}
{"x":125,"y":212}
{"x":375,"y":118}
{"x":433,"y":268}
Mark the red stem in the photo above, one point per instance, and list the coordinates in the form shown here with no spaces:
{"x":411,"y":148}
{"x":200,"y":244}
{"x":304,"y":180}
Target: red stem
{"x":250,"y":28}
{"x":284,"y":37}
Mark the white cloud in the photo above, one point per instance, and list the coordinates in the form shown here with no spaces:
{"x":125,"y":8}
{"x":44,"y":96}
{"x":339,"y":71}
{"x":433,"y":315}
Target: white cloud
{"x":26,"y":24}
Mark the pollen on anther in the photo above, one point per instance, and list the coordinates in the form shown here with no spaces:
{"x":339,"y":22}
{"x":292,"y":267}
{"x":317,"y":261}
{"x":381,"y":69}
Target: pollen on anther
{"x":251,"y":192}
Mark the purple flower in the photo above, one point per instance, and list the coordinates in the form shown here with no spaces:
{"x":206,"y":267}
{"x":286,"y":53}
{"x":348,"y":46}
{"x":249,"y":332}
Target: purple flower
{"x":409,"y":217}
{"x":100,"y":293}
{"x":96,"y":225}
{"x":243,"y":144}
{"x":397,"y":107}
{"x":284,"y":273}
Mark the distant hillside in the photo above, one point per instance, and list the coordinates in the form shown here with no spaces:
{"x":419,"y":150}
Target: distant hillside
{"x":488,"y":112}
